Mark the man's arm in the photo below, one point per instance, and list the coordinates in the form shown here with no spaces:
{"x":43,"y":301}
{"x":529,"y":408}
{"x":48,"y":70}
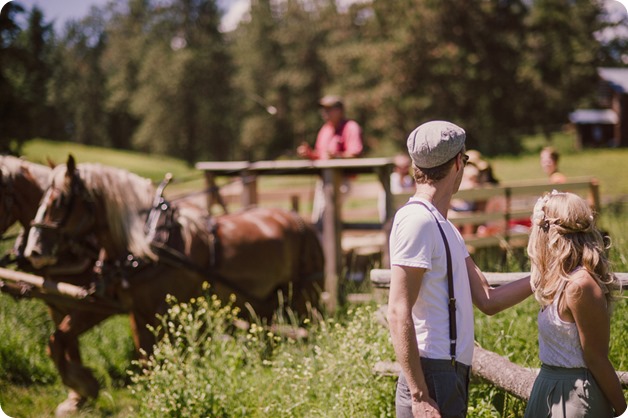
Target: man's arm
{"x":491,"y":300}
{"x":405,"y":283}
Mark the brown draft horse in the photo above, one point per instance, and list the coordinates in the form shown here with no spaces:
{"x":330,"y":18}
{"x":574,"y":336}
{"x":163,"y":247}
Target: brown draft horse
{"x":256,"y":254}
{"x":22,"y":185}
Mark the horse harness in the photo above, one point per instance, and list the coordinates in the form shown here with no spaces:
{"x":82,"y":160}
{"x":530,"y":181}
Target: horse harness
{"x":166,"y":234}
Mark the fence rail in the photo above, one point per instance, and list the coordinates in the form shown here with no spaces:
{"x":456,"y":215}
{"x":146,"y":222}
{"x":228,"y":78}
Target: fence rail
{"x":505,"y":203}
{"x":380,"y":278}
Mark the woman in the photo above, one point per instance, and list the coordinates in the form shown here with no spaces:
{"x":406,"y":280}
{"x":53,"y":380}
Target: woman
{"x":571,"y":279}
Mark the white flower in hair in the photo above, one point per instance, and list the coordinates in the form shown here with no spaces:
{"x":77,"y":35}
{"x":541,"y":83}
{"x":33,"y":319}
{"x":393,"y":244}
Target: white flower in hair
{"x":538,"y":215}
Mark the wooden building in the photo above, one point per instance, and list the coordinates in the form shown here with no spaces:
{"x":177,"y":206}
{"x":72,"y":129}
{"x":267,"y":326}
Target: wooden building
{"x":608,"y":124}
{"x":595,"y":127}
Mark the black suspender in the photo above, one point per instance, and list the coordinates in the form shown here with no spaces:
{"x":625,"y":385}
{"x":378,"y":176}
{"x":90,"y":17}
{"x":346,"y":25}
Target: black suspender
{"x":453,"y":334}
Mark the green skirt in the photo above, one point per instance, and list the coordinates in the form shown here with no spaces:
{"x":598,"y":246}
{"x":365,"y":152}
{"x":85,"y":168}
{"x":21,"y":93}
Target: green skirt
{"x":559,"y":392}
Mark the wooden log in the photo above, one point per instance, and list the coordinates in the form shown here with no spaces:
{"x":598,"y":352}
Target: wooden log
{"x":90,"y":304}
{"x":494,"y":369}
{"x":502,"y":373}
{"x":45,"y":285}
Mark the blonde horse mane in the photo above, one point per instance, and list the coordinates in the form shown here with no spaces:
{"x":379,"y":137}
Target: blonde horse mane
{"x":127,"y":198}
{"x":13,"y":166}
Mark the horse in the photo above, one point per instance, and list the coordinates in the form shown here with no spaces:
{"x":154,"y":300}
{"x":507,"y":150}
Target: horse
{"x":22,"y":185}
{"x":153,"y":248}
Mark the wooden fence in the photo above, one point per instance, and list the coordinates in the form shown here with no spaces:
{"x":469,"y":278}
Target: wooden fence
{"x":505,"y":205}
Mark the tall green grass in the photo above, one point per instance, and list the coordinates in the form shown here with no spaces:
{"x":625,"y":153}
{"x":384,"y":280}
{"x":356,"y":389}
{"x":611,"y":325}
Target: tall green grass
{"x":203,"y":368}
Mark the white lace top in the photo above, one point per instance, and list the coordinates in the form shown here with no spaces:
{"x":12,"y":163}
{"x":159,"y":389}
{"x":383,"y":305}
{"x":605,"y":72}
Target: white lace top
{"x":559,"y":341}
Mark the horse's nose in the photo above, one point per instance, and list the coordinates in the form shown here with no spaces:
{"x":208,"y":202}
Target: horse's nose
{"x":40,"y":261}
{"x":34,"y":251}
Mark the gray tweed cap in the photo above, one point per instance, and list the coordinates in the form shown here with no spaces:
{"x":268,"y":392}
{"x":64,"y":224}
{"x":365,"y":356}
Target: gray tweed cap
{"x":434,"y":143}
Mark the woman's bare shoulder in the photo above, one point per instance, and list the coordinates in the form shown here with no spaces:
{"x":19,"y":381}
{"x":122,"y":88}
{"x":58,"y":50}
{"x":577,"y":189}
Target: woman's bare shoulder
{"x":583,"y":288}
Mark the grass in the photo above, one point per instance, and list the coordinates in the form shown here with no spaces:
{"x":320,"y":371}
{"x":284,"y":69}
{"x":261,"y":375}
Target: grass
{"x":256,"y":374}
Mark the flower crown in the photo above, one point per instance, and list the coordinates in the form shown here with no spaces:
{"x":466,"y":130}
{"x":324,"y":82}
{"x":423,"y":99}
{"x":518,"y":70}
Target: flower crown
{"x":539,"y":217}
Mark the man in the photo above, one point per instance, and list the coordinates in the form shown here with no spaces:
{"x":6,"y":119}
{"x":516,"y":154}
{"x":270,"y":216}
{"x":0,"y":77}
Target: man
{"x":436,"y":364}
{"x":338,"y":138}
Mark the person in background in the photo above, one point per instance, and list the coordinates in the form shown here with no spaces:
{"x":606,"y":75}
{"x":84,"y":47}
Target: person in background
{"x":549,"y":164}
{"x":435,"y":361}
{"x":401,"y":182}
{"x":486,"y":176}
{"x":478,"y":173}
{"x":339,"y":137}
{"x":572,"y":281}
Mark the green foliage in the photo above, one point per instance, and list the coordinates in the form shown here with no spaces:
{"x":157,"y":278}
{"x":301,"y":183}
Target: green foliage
{"x":160,"y":77}
{"x":23,"y":353}
{"x":205,"y":367}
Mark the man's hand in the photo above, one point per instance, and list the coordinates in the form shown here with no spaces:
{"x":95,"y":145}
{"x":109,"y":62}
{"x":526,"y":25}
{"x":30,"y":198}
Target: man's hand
{"x":425,"y":409}
{"x":304,"y":150}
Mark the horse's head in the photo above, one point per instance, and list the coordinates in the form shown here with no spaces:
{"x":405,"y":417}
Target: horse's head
{"x":22,"y":185}
{"x":67,"y":212}
{"x":90,"y":199}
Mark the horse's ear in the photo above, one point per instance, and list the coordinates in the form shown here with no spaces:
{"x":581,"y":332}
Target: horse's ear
{"x":51,"y":163}
{"x":71,"y":164}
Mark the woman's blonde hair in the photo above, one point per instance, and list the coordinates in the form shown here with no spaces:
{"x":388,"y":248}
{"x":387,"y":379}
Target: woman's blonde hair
{"x":563,"y":238}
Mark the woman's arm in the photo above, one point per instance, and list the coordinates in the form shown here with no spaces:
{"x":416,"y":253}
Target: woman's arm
{"x":586,"y":302}
{"x":491,"y":300}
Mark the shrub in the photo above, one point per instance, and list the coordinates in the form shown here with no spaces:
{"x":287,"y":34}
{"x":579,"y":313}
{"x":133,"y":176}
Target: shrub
{"x":204,"y":366}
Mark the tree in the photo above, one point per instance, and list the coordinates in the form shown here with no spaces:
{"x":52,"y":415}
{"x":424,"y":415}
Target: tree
{"x":78,"y":85}
{"x":560,"y":59}
{"x":36,"y":42}
{"x":257,"y":58}
{"x":121,"y":62}
{"x":449,"y":60}
{"x":12,"y":63}
{"x":184,"y":96}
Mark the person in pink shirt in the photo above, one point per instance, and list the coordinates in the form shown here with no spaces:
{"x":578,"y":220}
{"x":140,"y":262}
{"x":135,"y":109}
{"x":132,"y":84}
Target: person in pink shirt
{"x":339,"y":137}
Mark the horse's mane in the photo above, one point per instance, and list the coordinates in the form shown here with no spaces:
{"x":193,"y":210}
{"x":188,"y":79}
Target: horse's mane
{"x":127,"y":198}
{"x":13,"y":166}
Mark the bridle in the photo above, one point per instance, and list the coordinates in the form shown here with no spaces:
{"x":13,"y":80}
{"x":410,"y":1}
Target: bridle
{"x":77,"y":189}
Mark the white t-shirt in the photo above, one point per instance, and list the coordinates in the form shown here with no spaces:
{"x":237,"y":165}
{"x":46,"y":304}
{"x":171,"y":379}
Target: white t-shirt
{"x":415,"y":241}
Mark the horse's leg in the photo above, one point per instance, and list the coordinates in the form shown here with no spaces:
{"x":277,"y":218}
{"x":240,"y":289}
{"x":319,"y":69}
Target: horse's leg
{"x":149,"y":290}
{"x":310,"y":280}
{"x":63,"y":348}
{"x":143,"y":338}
